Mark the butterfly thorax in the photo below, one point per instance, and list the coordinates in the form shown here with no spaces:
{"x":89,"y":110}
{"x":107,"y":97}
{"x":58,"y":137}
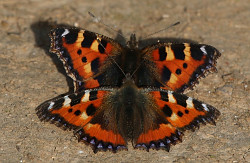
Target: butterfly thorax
{"x":133,"y":63}
{"x":129,"y":61}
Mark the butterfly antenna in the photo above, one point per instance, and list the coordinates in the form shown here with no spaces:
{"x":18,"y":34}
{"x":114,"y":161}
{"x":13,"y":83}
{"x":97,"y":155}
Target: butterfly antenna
{"x":98,"y":20}
{"x":172,"y":25}
{"x":137,"y":68}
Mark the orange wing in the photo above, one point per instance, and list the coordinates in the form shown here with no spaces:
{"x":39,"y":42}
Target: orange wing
{"x":180,"y":113}
{"x":83,"y":112}
{"x":84,"y":55}
{"x":181,"y":65}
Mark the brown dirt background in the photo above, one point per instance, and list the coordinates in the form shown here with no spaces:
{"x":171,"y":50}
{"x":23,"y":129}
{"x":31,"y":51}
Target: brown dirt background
{"x":29,"y":75}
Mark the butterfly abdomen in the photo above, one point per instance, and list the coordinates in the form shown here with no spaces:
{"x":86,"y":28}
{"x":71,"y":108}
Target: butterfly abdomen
{"x":134,"y":110}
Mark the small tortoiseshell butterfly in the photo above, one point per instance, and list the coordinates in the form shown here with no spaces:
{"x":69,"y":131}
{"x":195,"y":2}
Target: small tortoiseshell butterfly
{"x":126,"y":94}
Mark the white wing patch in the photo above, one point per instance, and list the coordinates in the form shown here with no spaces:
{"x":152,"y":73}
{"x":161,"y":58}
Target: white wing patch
{"x":84,"y":116}
{"x":205,"y":107}
{"x":51,"y":105}
{"x":67,"y":101}
{"x":190,"y":103}
{"x":85,"y":98}
{"x":174,"y":117}
{"x":171,"y":98}
{"x":65,"y":32}
{"x":203,"y":49}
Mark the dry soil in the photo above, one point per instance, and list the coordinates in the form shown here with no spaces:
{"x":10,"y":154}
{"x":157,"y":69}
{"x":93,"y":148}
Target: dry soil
{"x":30,"y":75}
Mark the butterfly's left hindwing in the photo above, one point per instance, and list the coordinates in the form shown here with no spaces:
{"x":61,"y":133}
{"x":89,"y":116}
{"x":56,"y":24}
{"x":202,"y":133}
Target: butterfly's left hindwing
{"x":72,"y":110}
{"x":81,"y":111}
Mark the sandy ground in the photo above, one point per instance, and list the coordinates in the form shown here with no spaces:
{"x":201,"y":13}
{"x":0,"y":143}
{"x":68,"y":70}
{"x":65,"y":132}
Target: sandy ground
{"x":30,"y":75}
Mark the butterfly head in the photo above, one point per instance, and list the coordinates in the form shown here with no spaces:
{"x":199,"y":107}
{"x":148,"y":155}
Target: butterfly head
{"x":132,"y":43}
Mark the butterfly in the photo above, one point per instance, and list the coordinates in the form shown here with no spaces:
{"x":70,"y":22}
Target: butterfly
{"x":129,"y":94}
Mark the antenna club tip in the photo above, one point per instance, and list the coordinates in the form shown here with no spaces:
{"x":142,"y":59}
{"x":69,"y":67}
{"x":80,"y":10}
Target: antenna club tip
{"x":177,"y":23}
{"x":91,"y":14}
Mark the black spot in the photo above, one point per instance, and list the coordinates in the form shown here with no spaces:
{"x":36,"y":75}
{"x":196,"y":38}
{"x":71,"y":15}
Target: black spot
{"x":70,"y":110}
{"x":167,"y":111}
{"x":95,"y":65}
{"x":179,"y":113}
{"x":79,"y":52}
{"x":164,"y":96}
{"x":180,"y":99}
{"x":178,"y":71}
{"x":162,"y":53}
{"x":84,"y":59}
{"x":102,"y":46}
{"x":186,"y":111}
{"x":185,"y":65}
{"x":71,"y":37}
{"x":92,"y":95}
{"x":89,"y":37}
{"x":90,"y":110}
{"x":166,"y":73}
{"x":78,"y":112}
{"x":178,"y":50}
{"x":196,"y":52}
